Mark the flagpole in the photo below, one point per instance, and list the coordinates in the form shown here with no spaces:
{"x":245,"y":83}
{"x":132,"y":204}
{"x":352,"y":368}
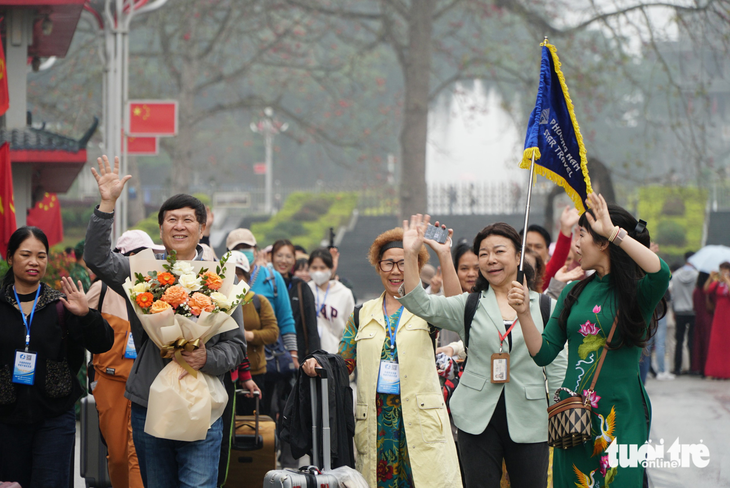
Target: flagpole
{"x":521,"y":273}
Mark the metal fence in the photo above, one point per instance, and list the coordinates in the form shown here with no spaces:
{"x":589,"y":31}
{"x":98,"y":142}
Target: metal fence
{"x":475,"y":198}
{"x":462,"y":198}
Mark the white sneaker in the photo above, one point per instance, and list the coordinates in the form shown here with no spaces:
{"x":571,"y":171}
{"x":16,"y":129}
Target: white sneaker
{"x":665,"y":376}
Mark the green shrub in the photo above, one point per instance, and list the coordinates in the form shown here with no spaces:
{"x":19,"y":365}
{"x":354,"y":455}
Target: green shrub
{"x":307,"y":215}
{"x":203,"y":198}
{"x":671,"y":233}
{"x":76,"y":216}
{"x":653,"y":207}
{"x":334,"y":210}
{"x":151,"y":226}
{"x":289,"y":228}
{"x":318,"y":205}
{"x":673,"y":206}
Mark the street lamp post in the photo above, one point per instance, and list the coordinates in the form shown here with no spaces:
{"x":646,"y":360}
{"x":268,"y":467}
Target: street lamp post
{"x":268,"y":127}
{"x":115,"y":21}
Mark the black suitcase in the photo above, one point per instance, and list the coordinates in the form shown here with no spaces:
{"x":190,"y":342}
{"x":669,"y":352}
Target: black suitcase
{"x":94,"y":467}
{"x":311,"y":476}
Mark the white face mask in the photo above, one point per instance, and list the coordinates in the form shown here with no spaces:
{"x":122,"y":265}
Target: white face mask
{"x":320,"y":277}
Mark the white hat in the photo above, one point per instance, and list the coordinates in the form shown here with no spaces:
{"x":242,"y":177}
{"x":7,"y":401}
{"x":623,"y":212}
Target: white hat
{"x":240,"y":236}
{"x":240,"y":260}
{"x":133,"y":240}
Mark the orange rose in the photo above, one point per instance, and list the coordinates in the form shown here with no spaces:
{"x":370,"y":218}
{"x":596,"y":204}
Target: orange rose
{"x":144,"y":300}
{"x":159,"y":306}
{"x":175,"y":296}
{"x":212,"y":280}
{"x":199,"y":303}
{"x":166,"y":279}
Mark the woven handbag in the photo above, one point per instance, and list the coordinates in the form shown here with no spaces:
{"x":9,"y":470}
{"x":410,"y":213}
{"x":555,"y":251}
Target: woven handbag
{"x":569,"y":421}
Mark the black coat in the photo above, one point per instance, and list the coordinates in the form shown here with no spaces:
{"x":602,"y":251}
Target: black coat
{"x":52,"y":341}
{"x":304,"y":347}
{"x":296,"y":425}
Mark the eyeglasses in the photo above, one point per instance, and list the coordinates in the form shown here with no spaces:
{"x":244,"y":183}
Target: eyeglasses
{"x":386,"y":266}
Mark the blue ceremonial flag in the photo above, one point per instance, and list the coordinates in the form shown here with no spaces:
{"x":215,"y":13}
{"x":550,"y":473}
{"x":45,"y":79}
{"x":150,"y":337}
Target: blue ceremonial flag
{"x":553,"y":135}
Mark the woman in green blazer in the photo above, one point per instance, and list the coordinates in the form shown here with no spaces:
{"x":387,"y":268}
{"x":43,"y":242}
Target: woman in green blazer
{"x":500,"y":405}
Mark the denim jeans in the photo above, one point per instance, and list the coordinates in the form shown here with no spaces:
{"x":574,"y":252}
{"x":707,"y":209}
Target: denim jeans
{"x":170,"y":464}
{"x":657,"y":345}
{"x":38,"y":455}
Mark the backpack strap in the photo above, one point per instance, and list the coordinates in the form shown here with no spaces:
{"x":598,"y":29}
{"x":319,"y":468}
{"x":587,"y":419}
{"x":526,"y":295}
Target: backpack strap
{"x":102,"y":294}
{"x":472,"y":303}
{"x":545,"y":303}
{"x":256,"y":304}
{"x":272,"y":279}
{"x":356,"y":316}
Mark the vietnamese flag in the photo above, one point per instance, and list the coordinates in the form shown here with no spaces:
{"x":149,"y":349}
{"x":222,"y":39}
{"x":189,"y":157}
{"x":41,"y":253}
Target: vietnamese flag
{"x":7,"y":206}
{"x":46,"y":215}
{"x":4,"y":96}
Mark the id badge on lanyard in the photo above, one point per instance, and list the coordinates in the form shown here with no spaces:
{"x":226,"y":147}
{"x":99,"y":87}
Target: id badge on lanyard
{"x":389,"y":377}
{"x":500,"y":360}
{"x":25,"y":360}
{"x":389,"y":372}
{"x":24,"y":368}
{"x":129,"y":350}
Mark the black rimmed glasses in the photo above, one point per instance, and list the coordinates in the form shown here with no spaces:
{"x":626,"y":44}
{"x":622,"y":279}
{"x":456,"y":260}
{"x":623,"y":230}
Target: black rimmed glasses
{"x":387,"y":265}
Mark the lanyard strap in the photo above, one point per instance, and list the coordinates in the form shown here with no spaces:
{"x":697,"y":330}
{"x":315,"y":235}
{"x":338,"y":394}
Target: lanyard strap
{"x":390,"y":327}
{"x":27,"y":322}
{"x":324,"y":300}
{"x":502,"y":337}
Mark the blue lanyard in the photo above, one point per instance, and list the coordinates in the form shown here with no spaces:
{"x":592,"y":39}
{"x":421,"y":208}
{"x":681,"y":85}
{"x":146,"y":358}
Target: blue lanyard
{"x":324,"y":301}
{"x":27,"y":322}
{"x":390,"y":328}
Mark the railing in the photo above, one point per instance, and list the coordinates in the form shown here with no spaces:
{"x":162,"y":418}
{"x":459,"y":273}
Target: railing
{"x":476,"y":198}
{"x":462,"y":198}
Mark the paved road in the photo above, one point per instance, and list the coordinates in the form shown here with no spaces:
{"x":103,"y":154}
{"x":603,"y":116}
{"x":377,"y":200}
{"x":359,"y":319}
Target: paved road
{"x":693,"y":410}
{"x":689,"y":408}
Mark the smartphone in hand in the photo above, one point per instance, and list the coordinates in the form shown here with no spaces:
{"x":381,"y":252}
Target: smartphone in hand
{"x":437,"y":234}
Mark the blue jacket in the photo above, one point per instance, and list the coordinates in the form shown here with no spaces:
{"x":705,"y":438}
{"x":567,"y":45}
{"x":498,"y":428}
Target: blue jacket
{"x":269,"y":283}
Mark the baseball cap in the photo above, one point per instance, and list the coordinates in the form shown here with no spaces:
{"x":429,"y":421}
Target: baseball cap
{"x":240,"y":236}
{"x":239,"y":260}
{"x":134,"y":240}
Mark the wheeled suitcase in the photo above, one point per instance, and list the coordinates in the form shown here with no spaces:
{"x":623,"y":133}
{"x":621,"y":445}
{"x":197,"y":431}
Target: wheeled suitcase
{"x":311,"y":476}
{"x":253,"y":450}
{"x":94,"y":467}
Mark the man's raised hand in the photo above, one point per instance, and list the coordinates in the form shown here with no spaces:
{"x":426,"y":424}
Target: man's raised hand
{"x":110,"y":186}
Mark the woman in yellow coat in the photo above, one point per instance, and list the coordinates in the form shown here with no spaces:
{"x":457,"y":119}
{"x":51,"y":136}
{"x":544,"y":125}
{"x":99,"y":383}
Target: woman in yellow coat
{"x":402,"y":432}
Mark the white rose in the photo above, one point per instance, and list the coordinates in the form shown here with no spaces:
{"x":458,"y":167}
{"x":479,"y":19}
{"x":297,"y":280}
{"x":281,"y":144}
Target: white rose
{"x":190,"y":282}
{"x":182,"y":268}
{"x":221,"y":300}
{"x":141,"y":287}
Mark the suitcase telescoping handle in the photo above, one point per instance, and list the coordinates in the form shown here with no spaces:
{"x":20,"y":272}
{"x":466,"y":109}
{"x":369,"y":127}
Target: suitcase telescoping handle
{"x":256,"y":395}
{"x":325,"y":420}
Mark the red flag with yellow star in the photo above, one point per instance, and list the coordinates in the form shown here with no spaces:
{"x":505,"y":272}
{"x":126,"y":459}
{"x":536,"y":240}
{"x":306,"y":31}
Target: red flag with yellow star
{"x":46,"y":215}
{"x":4,"y":96}
{"x":7,"y":206}
{"x":152,"y":118}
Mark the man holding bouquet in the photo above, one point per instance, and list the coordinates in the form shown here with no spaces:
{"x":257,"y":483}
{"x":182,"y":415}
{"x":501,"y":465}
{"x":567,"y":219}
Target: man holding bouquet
{"x":182,"y":219}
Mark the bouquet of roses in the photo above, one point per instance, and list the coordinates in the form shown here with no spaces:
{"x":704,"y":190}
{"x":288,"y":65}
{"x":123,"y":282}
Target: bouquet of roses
{"x":182,"y":304}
